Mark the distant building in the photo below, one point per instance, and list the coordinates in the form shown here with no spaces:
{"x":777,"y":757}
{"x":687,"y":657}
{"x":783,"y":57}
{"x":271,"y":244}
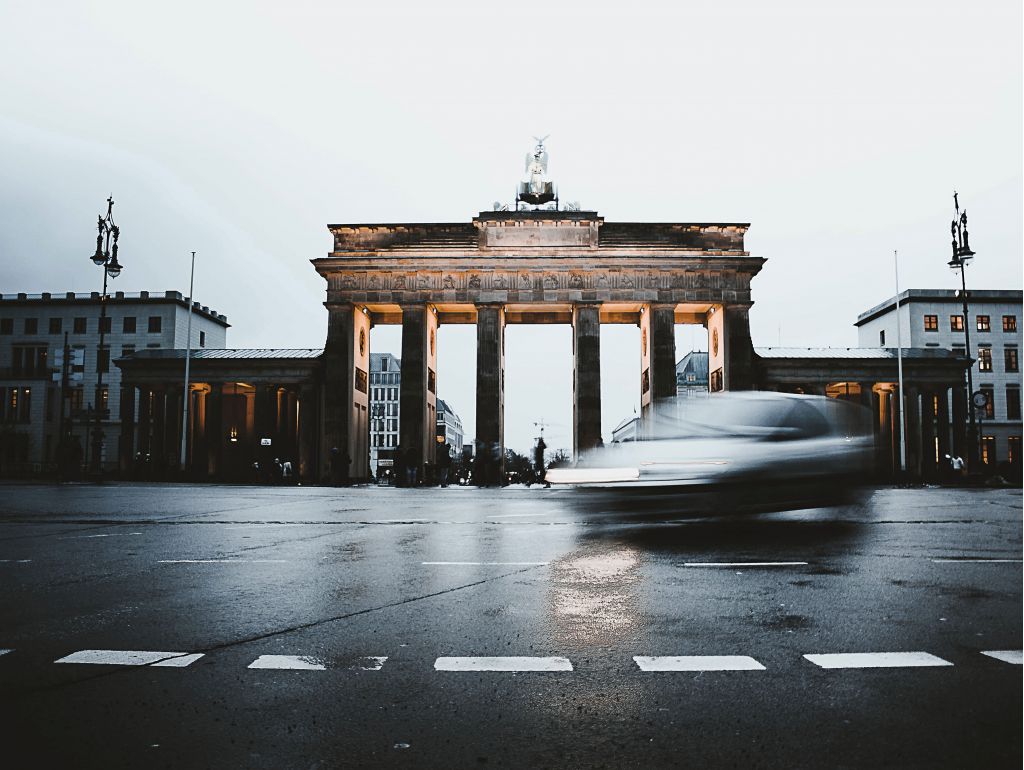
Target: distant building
{"x":385,"y":389}
{"x":933,"y":318}
{"x":692,"y":374}
{"x":33,"y":328}
{"x":449,"y":427}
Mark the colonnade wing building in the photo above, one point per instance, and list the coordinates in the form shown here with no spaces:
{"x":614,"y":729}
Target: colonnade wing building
{"x":537,"y":267}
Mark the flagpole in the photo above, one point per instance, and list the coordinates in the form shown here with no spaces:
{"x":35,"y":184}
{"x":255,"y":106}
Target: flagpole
{"x":899,"y":367}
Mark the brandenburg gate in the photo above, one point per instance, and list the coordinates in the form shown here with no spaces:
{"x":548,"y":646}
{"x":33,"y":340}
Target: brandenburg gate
{"x":539,"y":266}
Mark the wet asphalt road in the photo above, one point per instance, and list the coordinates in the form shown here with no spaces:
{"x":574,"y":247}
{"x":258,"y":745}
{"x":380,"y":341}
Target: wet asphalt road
{"x":343,"y":578}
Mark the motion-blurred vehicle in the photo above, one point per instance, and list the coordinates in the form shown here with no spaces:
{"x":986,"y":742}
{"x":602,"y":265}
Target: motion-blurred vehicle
{"x":731,"y":453}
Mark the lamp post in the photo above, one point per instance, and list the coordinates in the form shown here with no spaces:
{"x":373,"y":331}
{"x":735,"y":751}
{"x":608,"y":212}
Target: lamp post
{"x":105,"y":257}
{"x":962,"y":254}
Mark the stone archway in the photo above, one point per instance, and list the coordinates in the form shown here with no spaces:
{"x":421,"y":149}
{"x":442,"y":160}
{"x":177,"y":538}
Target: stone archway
{"x":507,"y":267}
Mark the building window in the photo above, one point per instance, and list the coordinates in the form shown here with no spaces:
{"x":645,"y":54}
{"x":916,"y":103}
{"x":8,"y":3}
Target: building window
{"x":104,"y":401}
{"x":984,"y":359}
{"x":988,"y":450}
{"x":103,"y":359}
{"x":384,"y":364}
{"x":18,"y":405}
{"x":1013,"y":447}
{"x":6,"y":326}
{"x":990,"y":402}
{"x":202,"y":339}
{"x":1010,"y":361}
{"x":956,"y":323}
{"x":1009,"y":323}
{"x":29,"y":360}
{"x":56,"y":325}
{"x":1012,"y":402}
{"x":105,"y":324}
{"x":128,"y":324}
{"x":127,"y":350}
{"x":31,"y":325}
{"x":79,"y":326}
{"x":155,"y":324}
{"x":881,"y":337}
{"x":931,"y":323}
{"x":983,"y":323}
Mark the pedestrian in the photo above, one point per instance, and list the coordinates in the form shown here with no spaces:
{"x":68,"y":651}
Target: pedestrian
{"x":538,"y":461}
{"x":444,"y":463}
{"x":956,"y":463}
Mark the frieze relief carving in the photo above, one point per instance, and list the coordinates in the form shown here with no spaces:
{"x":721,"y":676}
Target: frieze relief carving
{"x":550,"y":281}
{"x":602,"y":281}
{"x":627,"y":282}
{"x":524,"y":281}
{"x":373,"y":283}
{"x":448,"y":282}
{"x":500,"y":281}
{"x":422,"y":282}
{"x":474,"y":281}
{"x":399,"y":282}
{"x":575,"y":281}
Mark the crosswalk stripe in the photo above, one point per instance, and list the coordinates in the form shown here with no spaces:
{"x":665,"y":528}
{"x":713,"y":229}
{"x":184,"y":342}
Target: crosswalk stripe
{"x":132,"y":658}
{"x":503,"y":664}
{"x":876,"y":660}
{"x":698,"y":663}
{"x":1007,"y":656}
{"x":288,"y":662}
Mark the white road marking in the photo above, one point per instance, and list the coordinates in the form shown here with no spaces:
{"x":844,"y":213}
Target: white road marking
{"x":502,"y":664}
{"x":876,"y":660}
{"x":486,"y":563}
{"x":698,"y":663}
{"x":289,"y":662}
{"x":1007,"y":656}
{"x":132,"y":658}
{"x":977,"y":561}
{"x":374,"y":663}
{"x":745,"y":564}
{"x":222,"y":561}
{"x":111,"y":534}
{"x":4,"y":652}
{"x":15,"y":561}
{"x":515,"y":515}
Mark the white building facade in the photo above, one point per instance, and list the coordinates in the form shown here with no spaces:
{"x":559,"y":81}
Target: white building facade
{"x":385,"y":387}
{"x":449,"y":428}
{"x":933,"y":318}
{"x":33,"y":330}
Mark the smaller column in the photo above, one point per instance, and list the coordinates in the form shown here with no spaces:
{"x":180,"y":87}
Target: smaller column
{"x":942,"y":425}
{"x":960,"y":421}
{"x":489,"y":463}
{"x":307,"y":432}
{"x":158,"y":447}
{"x":418,"y":400}
{"x":912,"y":403}
{"x":126,"y":443}
{"x":586,"y":347}
{"x":215,"y":437}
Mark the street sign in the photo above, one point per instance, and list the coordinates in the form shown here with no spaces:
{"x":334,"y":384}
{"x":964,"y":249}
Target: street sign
{"x":264,"y":442}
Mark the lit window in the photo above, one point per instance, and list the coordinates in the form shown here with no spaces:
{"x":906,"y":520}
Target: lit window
{"x":1010,"y":360}
{"x":988,"y":450}
{"x":983,"y":323}
{"x":931,"y":323}
{"x":1013,"y":454}
{"x":956,"y":323}
{"x":1009,"y":323}
{"x":990,"y":402}
{"x":984,"y":359}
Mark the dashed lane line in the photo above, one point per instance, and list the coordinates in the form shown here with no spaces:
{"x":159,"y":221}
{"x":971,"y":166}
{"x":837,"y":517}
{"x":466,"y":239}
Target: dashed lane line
{"x":288,"y":662}
{"x":876,"y":660}
{"x":132,"y":658}
{"x":1015,"y":657}
{"x":977,"y":561}
{"x":698,"y":663}
{"x":502,"y":664}
{"x":15,"y":561}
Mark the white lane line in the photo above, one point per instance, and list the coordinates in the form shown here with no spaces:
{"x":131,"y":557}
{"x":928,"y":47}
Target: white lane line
{"x":876,"y":660}
{"x":288,"y":662}
{"x":1007,"y":656}
{"x":222,"y":561}
{"x":697,"y":663}
{"x":111,"y":534}
{"x":502,"y":664}
{"x":515,"y":515}
{"x":15,"y":561}
{"x":486,"y":563}
{"x":977,"y":561}
{"x":132,"y":658}
{"x":745,"y":564}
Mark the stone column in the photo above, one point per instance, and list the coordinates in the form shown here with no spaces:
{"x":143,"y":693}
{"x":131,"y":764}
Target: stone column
{"x":960,"y":422}
{"x":912,"y":403}
{"x":663,"y":351}
{"x":215,"y":434}
{"x":942,"y":425}
{"x":158,"y":447}
{"x":126,"y":443}
{"x":172,"y":429}
{"x":346,"y":393}
{"x":489,"y":464}
{"x":739,"y":350}
{"x":586,"y":405}
{"x":418,"y":394}
{"x":307,"y":432}
{"x":145,"y":422}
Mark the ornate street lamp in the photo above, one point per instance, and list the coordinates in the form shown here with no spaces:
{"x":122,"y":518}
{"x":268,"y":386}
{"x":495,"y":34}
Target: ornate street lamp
{"x":105,"y":257}
{"x":962,"y":254}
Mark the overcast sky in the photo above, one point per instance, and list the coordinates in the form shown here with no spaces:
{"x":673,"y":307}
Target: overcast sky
{"x":240,"y":130}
